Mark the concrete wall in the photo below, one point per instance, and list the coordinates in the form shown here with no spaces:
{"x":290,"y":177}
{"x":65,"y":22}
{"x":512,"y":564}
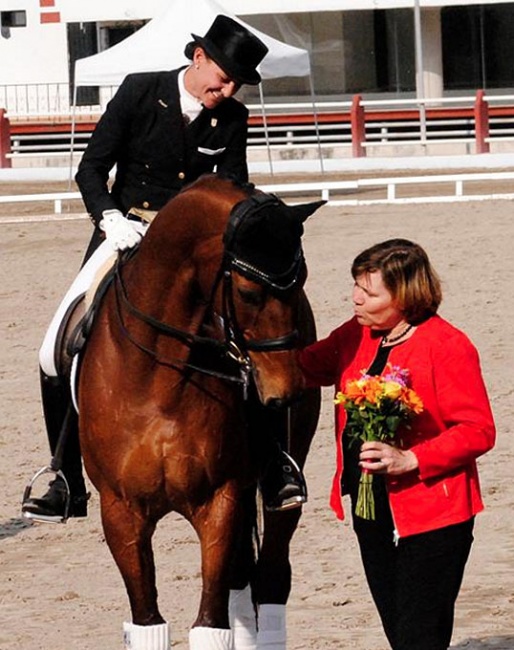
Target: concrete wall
{"x":33,"y":54}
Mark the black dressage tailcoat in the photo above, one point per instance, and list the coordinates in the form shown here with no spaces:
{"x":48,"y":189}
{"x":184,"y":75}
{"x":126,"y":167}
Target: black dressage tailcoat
{"x":144,"y":134}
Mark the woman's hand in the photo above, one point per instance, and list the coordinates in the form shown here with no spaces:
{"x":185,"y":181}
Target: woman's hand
{"x":381,"y":458}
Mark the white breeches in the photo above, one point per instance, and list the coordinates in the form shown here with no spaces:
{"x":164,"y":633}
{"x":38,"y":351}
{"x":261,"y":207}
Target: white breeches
{"x":79,"y":286}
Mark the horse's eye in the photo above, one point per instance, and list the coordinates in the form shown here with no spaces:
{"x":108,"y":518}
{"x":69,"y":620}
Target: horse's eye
{"x":251,"y":296}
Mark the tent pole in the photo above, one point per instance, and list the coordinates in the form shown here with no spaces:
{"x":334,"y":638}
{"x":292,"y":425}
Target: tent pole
{"x":316,"y":123}
{"x":420,"y":81}
{"x":72,"y":138}
{"x":266,"y":133}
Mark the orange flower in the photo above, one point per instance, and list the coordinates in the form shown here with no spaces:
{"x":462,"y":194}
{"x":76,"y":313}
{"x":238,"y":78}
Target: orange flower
{"x":412,"y":400}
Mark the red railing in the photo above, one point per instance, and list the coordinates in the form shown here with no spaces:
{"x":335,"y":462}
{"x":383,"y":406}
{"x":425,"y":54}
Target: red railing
{"x":5,"y":140}
{"x":361,"y":126}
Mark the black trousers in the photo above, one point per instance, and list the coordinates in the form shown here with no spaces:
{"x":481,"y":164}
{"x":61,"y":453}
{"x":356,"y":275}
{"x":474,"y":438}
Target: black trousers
{"x":415,"y":582}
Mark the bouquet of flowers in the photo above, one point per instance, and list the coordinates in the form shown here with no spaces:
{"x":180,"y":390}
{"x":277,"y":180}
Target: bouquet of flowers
{"x":376,"y":406}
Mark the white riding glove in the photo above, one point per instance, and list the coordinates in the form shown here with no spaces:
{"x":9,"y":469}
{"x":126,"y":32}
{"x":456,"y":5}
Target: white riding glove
{"x":120,"y":232}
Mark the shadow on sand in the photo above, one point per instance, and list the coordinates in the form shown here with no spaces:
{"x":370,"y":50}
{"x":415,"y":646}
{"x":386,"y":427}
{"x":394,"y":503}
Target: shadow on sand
{"x":492,"y":643}
{"x":12,"y":527}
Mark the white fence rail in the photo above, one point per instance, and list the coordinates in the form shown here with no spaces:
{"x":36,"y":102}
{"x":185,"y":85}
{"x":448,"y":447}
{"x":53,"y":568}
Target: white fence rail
{"x":330,"y":191}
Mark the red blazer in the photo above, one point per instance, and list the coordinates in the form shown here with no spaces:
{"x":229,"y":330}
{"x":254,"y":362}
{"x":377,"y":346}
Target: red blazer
{"x":456,"y":425}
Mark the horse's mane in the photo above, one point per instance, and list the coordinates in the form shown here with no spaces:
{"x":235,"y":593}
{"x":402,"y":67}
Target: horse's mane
{"x":200,"y":210}
{"x":211,"y":182}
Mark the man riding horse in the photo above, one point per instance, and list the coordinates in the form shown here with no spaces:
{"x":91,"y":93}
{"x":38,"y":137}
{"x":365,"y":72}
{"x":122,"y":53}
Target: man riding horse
{"x":162,"y":130}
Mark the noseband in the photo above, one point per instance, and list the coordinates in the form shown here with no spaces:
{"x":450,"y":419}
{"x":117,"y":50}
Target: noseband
{"x":234,"y":345}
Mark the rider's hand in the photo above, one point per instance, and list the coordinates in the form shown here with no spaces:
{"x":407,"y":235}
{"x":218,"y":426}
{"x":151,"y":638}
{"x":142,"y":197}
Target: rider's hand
{"x":119,"y":231}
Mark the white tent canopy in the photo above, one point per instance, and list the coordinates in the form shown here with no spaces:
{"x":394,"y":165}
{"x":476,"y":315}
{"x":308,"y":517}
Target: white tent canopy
{"x":248,"y":7}
{"x":159,"y":45}
{"x":98,"y":10}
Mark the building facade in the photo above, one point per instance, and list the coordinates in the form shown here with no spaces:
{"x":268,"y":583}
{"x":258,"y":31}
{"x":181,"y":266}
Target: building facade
{"x":464,"y":47}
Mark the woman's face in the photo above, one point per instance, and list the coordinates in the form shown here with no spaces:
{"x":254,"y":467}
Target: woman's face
{"x":373,"y":304}
{"x":211,"y":85}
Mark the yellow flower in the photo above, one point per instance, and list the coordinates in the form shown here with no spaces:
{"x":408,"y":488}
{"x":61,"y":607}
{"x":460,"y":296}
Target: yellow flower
{"x":392,"y":389}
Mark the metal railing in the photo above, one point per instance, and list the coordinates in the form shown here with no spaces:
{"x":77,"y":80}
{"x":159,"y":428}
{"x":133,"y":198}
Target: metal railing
{"x":40,"y":101}
{"x":325,"y":124}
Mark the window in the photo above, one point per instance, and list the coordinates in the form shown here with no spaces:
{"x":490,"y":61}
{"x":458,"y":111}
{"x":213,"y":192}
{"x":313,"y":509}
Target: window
{"x":13,"y":18}
{"x":82,"y":42}
{"x":476,"y":46}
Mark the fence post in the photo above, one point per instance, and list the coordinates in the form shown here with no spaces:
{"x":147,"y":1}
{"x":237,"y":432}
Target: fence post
{"x":358,"y":122}
{"x":5,"y":139}
{"x":481,"y":123}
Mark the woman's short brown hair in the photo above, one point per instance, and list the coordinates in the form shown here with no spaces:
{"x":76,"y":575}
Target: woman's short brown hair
{"x":407,"y":274}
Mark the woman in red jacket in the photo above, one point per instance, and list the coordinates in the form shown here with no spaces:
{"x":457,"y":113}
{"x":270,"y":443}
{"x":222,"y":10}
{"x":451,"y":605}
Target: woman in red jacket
{"x":426,"y":490}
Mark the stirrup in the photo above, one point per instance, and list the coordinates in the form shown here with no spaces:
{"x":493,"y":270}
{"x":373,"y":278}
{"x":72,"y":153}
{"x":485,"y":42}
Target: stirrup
{"x":296,"y":500}
{"x":48,"y":469}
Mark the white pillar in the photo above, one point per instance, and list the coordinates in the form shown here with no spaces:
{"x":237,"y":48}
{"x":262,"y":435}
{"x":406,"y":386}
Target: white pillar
{"x":432,"y":53}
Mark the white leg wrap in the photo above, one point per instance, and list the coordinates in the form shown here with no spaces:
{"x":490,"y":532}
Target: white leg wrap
{"x":146,"y":637}
{"x":272,"y":627}
{"x":210,"y":638}
{"x":243,"y":619}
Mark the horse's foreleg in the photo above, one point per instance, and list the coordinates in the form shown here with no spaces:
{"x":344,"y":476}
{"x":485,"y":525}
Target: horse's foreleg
{"x":273,"y":576}
{"x":129,"y":537}
{"x":273,"y":579}
{"x":243,"y":618}
{"x":216,"y":523}
{"x":241,"y":609}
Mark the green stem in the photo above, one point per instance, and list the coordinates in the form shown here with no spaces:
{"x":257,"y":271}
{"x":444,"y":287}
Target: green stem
{"x":365,"y":506}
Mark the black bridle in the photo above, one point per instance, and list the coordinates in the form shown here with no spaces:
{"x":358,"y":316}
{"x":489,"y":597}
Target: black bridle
{"x":233,"y":345}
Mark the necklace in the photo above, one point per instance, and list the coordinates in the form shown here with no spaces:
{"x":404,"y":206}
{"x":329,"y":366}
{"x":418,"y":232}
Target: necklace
{"x":388,"y":339}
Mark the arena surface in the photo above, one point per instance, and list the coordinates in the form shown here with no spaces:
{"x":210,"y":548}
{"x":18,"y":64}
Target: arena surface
{"x":60,"y":588}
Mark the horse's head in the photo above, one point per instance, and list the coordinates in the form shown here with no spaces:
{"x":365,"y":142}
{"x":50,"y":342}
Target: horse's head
{"x":242,"y":297}
{"x":264,"y":272}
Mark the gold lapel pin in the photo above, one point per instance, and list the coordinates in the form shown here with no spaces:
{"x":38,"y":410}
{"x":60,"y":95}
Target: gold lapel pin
{"x":214,"y":122}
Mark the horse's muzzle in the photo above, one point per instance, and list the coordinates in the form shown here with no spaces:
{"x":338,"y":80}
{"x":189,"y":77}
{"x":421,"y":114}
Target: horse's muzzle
{"x":283,"y":402}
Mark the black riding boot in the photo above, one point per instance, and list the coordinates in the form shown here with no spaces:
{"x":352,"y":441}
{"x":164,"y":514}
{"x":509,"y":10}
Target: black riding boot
{"x":282,"y":484}
{"x":56,"y":400}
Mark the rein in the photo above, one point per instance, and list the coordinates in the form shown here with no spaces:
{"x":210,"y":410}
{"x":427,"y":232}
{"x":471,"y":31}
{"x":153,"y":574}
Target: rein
{"x":187,"y":338}
{"x":181,"y":335}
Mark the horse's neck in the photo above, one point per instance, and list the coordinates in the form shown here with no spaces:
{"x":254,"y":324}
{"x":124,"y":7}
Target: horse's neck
{"x":176,"y":267}
{"x":164,"y":278}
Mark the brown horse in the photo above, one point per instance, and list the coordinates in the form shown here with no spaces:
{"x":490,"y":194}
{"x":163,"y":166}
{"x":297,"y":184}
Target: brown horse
{"x":194,"y":342}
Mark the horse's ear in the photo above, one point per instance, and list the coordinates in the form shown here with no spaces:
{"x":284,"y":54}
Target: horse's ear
{"x":303,"y":211}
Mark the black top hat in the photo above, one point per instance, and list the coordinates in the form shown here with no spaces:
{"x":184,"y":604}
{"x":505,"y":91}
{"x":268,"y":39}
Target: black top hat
{"x":234,"y":48}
